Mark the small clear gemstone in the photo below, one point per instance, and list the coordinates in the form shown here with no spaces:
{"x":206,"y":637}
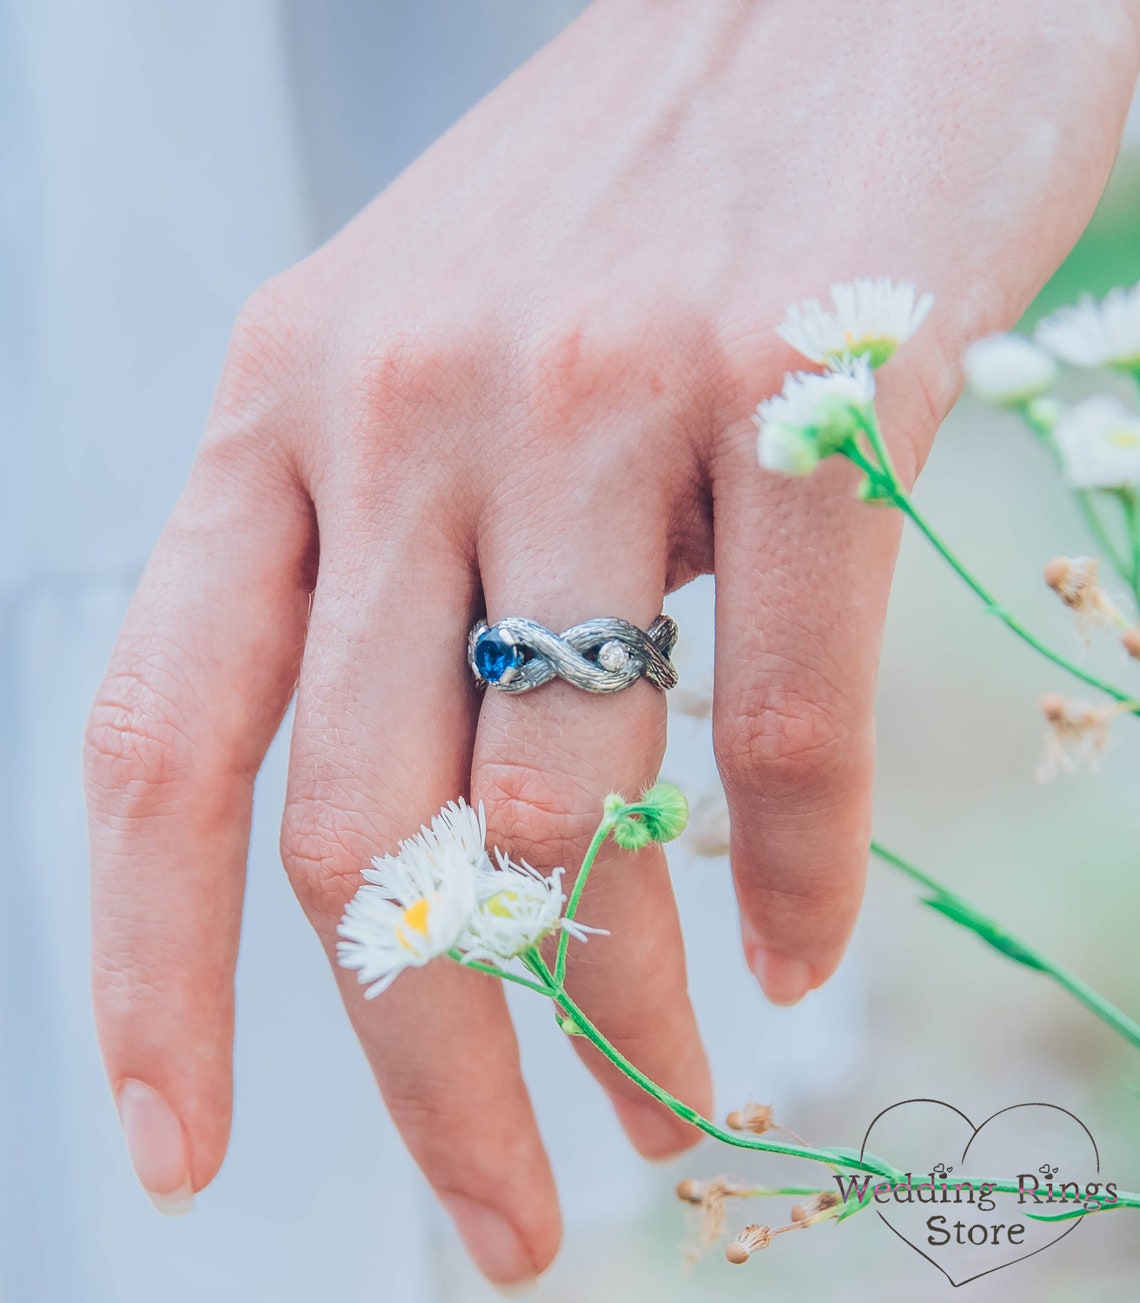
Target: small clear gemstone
{"x":495,"y":657}
{"x":613,"y":656}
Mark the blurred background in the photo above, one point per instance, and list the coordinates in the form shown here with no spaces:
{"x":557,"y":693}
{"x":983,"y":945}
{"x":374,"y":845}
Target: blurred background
{"x":159,"y":162}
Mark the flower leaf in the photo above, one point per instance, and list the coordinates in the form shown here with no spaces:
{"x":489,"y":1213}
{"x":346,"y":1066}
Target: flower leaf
{"x":989,"y":931}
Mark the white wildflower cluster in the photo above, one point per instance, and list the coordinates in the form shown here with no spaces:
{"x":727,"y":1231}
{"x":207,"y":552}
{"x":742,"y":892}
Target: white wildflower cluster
{"x":1099,"y":444}
{"x":1008,"y":370}
{"x":440,"y":892}
{"x":818,"y":414}
{"x":870,"y":318}
{"x":1096,"y":334}
{"x":1097,"y":441}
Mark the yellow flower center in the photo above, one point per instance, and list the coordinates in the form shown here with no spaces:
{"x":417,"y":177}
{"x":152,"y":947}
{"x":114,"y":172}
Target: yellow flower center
{"x":500,"y":903}
{"x":1124,"y":438}
{"x":413,"y":919}
{"x":876,"y":348}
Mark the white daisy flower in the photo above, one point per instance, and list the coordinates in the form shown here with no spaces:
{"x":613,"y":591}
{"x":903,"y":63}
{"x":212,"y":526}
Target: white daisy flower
{"x":812,"y":416}
{"x":1008,"y":369}
{"x":867,"y":318}
{"x":1099,"y":443}
{"x":517,"y":908}
{"x":786,"y":449}
{"x":1096,"y":334}
{"x":416,"y":904}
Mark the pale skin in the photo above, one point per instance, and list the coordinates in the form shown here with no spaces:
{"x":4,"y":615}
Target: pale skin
{"x":520,"y":383}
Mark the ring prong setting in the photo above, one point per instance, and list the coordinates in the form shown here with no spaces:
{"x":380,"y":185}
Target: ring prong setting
{"x":613,"y":656}
{"x":497,"y":656}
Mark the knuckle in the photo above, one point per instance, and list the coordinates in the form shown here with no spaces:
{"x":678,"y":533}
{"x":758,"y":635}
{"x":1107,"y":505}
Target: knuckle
{"x":573,"y":371}
{"x":403,"y":382}
{"x":266,"y":352}
{"x":926,"y":400}
{"x":754,"y":361}
{"x":536,"y":815}
{"x":566,"y":367}
{"x":436,"y":1125}
{"x":786,"y":742}
{"x":322,"y":855}
{"x":389,"y":373}
{"x":138,"y":753}
{"x":399,"y":374}
{"x":917,"y":400}
{"x":426,"y":1113}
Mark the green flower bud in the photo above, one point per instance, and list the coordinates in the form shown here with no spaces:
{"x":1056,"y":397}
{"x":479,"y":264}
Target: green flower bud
{"x":1043,"y":413}
{"x":631,"y":832}
{"x":614,"y":804}
{"x":659,"y":815}
{"x":665,"y":811}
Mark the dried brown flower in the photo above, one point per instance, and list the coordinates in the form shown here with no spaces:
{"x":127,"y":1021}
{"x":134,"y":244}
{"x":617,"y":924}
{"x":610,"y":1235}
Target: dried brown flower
{"x":1131,"y":640}
{"x":710,"y":1197}
{"x":816,"y":1208}
{"x":1078,"y":732}
{"x":750,"y":1240}
{"x":1076,"y":581}
{"x":756,"y":1118}
{"x":690,"y":1190}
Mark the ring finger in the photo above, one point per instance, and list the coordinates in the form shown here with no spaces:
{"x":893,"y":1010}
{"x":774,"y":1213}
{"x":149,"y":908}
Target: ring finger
{"x":545,"y":760}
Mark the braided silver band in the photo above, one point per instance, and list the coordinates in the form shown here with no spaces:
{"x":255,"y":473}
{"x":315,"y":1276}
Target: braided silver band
{"x":604,"y":655}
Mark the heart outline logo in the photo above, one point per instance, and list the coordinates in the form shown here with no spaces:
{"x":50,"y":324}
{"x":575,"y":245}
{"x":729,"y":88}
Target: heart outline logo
{"x":975,"y":1131}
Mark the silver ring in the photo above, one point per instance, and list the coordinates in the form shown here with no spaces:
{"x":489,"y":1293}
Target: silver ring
{"x":605,"y":655}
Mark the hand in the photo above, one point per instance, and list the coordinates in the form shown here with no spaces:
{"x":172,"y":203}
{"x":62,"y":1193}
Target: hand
{"x":520,"y":383}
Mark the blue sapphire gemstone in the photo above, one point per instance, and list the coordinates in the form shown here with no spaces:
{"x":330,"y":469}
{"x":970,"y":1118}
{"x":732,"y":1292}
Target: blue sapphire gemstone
{"x":494,"y":656}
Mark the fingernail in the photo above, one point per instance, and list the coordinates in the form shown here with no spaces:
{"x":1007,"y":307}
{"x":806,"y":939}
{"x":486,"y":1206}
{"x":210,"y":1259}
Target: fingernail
{"x":520,"y":1290}
{"x":494,"y":1244}
{"x":785,"y":979}
{"x":157,"y":1147}
{"x":656,"y":1133}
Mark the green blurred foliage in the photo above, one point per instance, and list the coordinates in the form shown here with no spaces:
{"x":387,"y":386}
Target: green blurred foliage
{"x":1107,"y":254}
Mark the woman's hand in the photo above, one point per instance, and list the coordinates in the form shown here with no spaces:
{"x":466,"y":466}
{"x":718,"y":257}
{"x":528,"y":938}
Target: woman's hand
{"x":520,"y":383}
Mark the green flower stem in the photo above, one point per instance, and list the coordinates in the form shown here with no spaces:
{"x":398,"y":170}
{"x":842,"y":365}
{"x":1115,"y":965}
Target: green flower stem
{"x":1131,"y":505}
{"x":889,"y":488}
{"x":1086,"y":502}
{"x":492,"y":971}
{"x":961,"y":912}
{"x":847,"y":1159}
{"x":1042,"y":426}
{"x":552,"y":985}
{"x":591,"y":855}
{"x":538,"y":966}
{"x":535,"y":962}
{"x":832,"y":1157}
{"x":903,"y":502}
